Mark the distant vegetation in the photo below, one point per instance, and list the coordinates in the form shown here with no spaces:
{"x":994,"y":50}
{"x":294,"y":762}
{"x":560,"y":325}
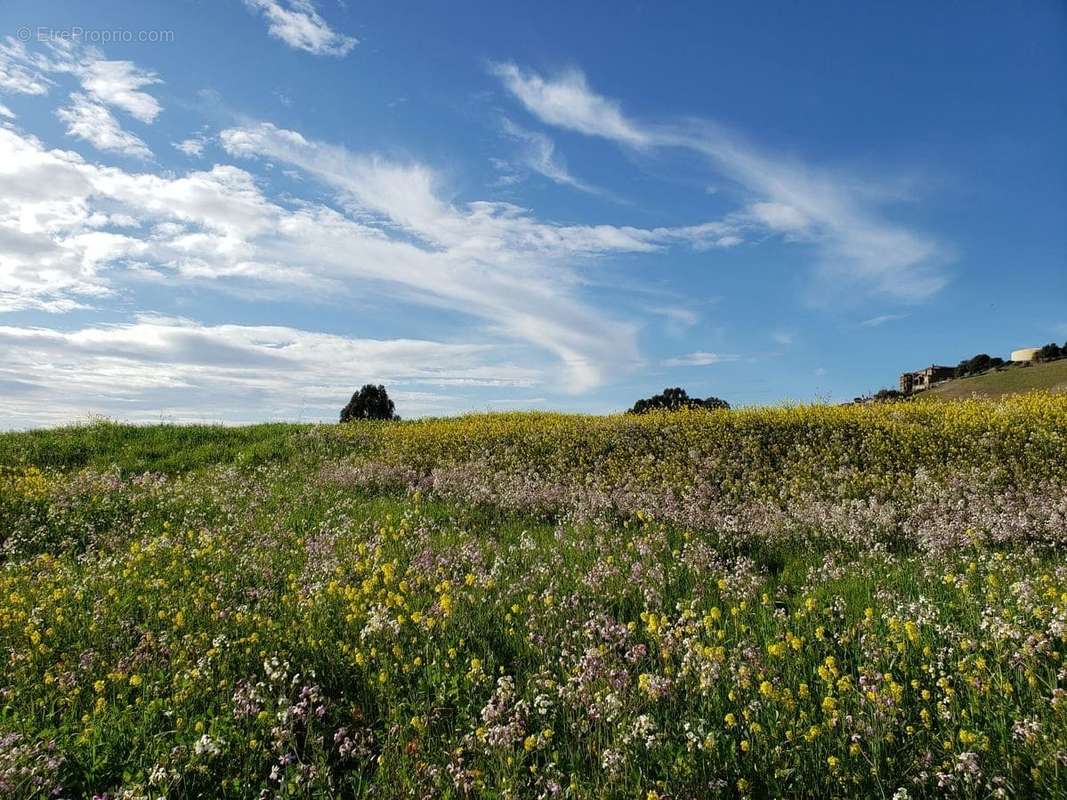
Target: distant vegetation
{"x":674,"y":400}
{"x":881,"y":396}
{"x":977,"y":364}
{"x":1052,"y":352}
{"x":370,"y":402}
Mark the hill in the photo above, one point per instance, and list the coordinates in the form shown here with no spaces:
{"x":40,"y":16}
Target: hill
{"x":802,"y":602}
{"x":1050,"y":377}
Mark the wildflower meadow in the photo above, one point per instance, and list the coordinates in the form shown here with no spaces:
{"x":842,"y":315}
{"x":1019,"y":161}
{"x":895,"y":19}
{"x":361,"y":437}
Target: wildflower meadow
{"x":861,"y":601}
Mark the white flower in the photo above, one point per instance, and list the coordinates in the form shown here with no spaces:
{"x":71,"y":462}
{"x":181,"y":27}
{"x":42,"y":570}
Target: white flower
{"x":205,"y":744}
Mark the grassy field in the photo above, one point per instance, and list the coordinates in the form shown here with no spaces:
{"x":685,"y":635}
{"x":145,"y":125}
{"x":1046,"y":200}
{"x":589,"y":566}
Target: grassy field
{"x":863,"y":601}
{"x":1050,"y":377}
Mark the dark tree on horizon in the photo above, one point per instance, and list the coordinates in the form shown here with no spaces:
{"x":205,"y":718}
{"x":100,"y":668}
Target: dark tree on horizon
{"x":370,"y":402}
{"x":675,"y":399}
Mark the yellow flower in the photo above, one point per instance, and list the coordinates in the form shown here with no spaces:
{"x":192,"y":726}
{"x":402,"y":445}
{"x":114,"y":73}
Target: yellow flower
{"x":911,"y":630}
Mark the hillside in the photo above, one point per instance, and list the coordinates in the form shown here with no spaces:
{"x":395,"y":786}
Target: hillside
{"x":1051,"y":377}
{"x":802,"y":602}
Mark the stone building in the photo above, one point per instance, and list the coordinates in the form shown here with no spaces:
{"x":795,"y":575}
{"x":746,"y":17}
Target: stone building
{"x":925,"y":378}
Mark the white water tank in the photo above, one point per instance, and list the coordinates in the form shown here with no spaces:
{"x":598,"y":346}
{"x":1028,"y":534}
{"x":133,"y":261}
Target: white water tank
{"x":1024,"y":354}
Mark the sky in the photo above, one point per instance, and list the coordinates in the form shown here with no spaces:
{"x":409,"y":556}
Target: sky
{"x":243,"y":210}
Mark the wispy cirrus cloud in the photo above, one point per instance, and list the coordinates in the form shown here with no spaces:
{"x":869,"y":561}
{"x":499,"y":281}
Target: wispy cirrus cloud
{"x":567,"y":102}
{"x":299,"y":25}
{"x":856,"y":245}
{"x":881,"y":319}
{"x":538,"y":153}
{"x":698,"y":359}
{"x":72,"y":233}
{"x":494,"y":259}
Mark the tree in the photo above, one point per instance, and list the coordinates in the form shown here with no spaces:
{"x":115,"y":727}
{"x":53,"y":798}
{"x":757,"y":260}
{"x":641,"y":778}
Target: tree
{"x":977,"y":364}
{"x":675,"y":399}
{"x":370,"y":402}
{"x":1050,"y":352}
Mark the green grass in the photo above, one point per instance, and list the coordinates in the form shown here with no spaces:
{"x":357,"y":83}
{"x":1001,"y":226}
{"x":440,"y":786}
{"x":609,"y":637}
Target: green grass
{"x":158,"y":448}
{"x":1050,"y":377}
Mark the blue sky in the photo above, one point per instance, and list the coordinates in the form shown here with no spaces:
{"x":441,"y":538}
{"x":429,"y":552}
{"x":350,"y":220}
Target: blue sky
{"x":239,"y":211}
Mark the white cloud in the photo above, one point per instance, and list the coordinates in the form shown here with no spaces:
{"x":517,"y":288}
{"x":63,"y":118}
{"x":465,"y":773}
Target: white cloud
{"x":779,"y":216}
{"x":116,"y":83}
{"x":193,"y":146}
{"x":676,"y":315}
{"x":298,"y":24}
{"x":16,"y":73}
{"x":568,"y":102}
{"x":66,"y":240}
{"x":698,"y":359}
{"x":491,"y":259}
{"x":188,"y":371}
{"x":855,"y":246}
{"x":539,"y":154}
{"x":784,"y":338}
{"x":89,"y":120}
{"x":6,"y":112}
{"x":874,"y":322}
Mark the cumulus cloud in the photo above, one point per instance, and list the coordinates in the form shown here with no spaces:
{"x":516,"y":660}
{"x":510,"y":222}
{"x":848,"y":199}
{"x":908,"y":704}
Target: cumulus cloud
{"x":187,"y":371}
{"x":298,"y":24}
{"x":856,"y":245}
